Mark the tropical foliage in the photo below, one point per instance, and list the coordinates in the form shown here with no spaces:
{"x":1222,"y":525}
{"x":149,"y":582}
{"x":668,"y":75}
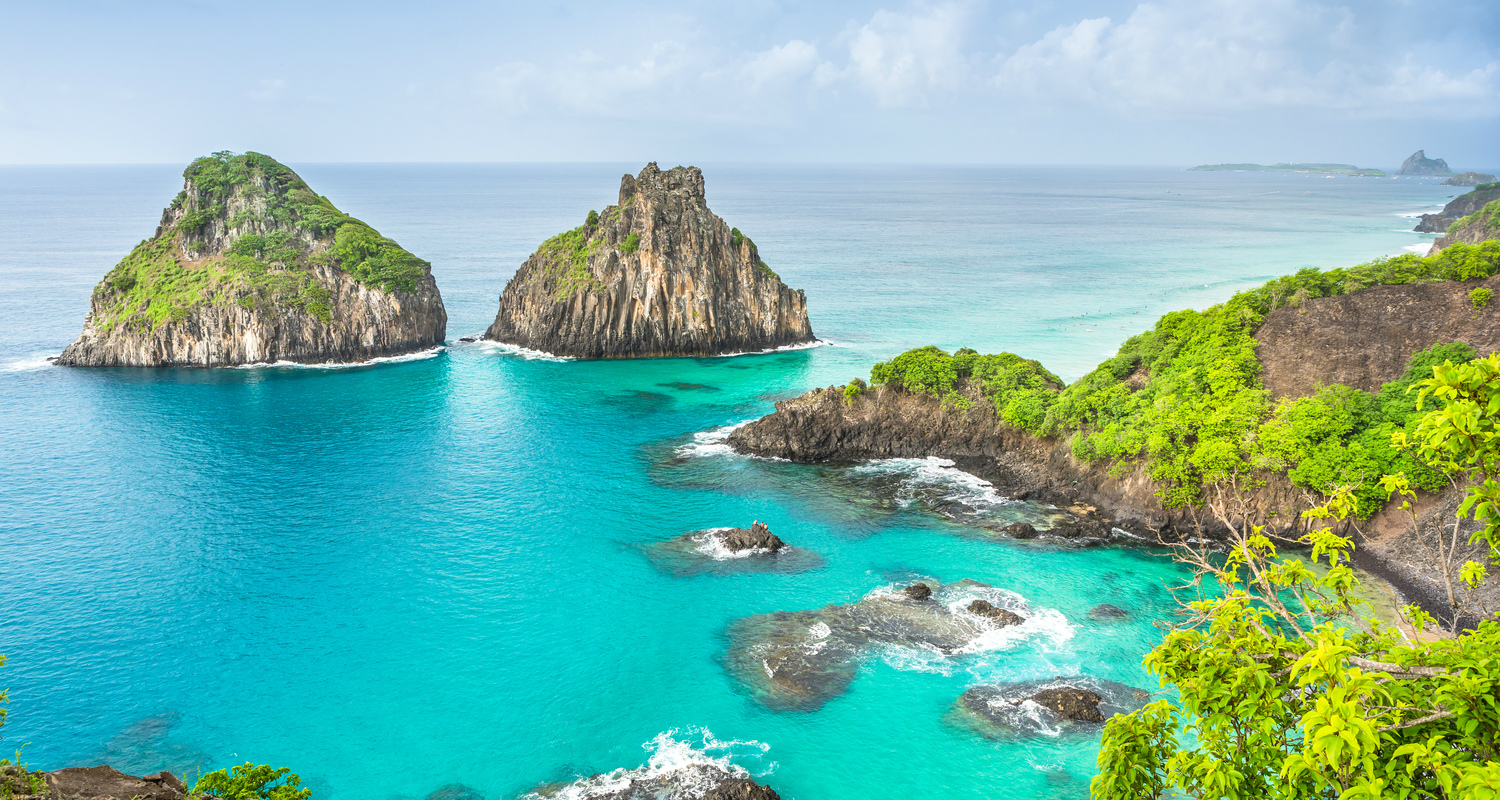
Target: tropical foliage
{"x":252,"y":782}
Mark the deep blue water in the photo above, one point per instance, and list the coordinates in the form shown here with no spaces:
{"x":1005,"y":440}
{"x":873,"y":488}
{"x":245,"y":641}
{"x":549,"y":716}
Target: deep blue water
{"x":406,"y":575}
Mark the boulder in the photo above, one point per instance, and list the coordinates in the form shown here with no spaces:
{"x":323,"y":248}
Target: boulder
{"x":917,"y":592}
{"x":756,"y":537}
{"x":1000,"y":616}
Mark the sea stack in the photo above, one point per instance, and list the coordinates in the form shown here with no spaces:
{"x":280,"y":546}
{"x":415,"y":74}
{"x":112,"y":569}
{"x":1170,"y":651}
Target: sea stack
{"x":657,"y":275}
{"x":250,"y":266}
{"x":1419,"y":164}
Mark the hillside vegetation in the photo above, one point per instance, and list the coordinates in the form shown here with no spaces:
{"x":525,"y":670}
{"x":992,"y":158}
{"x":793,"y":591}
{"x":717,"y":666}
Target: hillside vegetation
{"x":1185,"y":399}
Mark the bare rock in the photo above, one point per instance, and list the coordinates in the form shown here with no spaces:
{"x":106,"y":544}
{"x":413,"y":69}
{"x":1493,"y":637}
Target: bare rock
{"x":1419,"y":164}
{"x":1070,"y":702}
{"x":917,"y":592}
{"x":1458,"y":207}
{"x":756,"y":537}
{"x":108,"y":783}
{"x":1000,"y":616}
{"x":656,"y":275}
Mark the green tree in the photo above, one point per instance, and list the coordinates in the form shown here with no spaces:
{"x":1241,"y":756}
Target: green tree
{"x":252,"y":782}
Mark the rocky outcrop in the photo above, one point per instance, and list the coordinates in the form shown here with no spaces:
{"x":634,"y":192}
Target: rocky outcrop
{"x":656,"y":275}
{"x":1470,"y":179}
{"x":1419,"y":164}
{"x":89,"y":783}
{"x":799,"y":660}
{"x":1002,"y":617}
{"x":1047,"y":708}
{"x":1481,"y":226}
{"x":1364,"y":339}
{"x":690,"y":781}
{"x":250,"y":266}
{"x":1457,"y":208}
{"x":756,"y":537}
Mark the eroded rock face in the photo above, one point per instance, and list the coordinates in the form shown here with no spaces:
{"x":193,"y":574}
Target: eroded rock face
{"x":1364,"y":339}
{"x":1419,"y":164}
{"x":798,"y":660}
{"x":250,"y":266}
{"x":1046,"y":708}
{"x":656,"y":275}
{"x":1000,"y":616}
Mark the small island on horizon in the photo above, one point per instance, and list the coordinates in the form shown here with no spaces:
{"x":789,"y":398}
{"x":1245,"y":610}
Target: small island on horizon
{"x":1323,"y":169}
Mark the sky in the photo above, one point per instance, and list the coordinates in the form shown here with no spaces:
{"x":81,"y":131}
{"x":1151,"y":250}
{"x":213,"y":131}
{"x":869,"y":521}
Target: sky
{"x":971,"y":81}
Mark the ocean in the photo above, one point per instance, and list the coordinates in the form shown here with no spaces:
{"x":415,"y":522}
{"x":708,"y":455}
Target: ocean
{"x":438,"y":570}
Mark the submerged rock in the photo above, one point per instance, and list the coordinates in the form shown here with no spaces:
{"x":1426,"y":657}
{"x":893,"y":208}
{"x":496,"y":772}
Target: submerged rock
{"x":456,"y":791}
{"x":656,"y":275}
{"x":1104,"y":612}
{"x":798,"y":660}
{"x":250,"y":266}
{"x":1046,"y":708}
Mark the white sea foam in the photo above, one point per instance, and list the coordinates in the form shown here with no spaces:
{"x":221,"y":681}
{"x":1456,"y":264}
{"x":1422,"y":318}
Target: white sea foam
{"x":938,"y":473}
{"x":681,"y":765}
{"x":30,"y":364}
{"x":712,"y":442}
{"x":518,"y":351}
{"x":1419,"y":248}
{"x":417,"y":356}
{"x":786,"y":348}
{"x":1042,"y":628}
{"x":713,"y":547}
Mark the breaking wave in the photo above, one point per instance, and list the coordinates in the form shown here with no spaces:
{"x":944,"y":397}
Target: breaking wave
{"x":681,"y":765}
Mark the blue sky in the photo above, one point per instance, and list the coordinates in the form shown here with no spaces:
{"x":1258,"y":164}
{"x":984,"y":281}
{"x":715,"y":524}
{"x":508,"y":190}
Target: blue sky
{"x":1163,"y":82}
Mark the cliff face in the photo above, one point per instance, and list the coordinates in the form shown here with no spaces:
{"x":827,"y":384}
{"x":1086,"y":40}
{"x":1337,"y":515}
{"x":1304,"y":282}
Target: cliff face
{"x":1365,"y":339}
{"x":250,"y":266}
{"x":1480,"y":226}
{"x":1470,"y":179}
{"x":656,"y":275}
{"x":1419,"y":164}
{"x":1457,"y":208}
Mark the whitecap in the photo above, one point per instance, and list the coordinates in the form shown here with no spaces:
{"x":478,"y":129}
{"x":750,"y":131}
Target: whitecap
{"x":932,"y":472}
{"x":786,"y":348}
{"x":420,"y":355}
{"x":712,"y":546}
{"x":681,"y":765}
{"x":711,"y":442}
{"x":518,"y":351}
{"x":31,"y":364}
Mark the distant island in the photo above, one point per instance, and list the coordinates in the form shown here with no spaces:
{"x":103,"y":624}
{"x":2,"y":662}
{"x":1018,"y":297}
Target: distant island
{"x":1320,"y":169}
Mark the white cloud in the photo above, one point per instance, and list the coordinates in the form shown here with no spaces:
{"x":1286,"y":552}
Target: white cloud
{"x":781,"y":64}
{"x":899,"y":58}
{"x":592,"y":85}
{"x":1217,"y":55}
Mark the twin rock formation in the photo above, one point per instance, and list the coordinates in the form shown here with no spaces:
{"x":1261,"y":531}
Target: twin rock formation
{"x":249,"y":265}
{"x":656,"y":275}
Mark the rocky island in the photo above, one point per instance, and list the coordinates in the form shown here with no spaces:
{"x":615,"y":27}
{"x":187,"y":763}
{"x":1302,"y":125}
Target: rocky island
{"x":1315,"y":169}
{"x":657,"y":275}
{"x":1470,"y":179}
{"x":249,"y":266}
{"x":1419,"y":164}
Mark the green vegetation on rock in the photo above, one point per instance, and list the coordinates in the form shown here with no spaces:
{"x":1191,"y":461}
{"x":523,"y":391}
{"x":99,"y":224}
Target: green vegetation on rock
{"x":1488,"y":218}
{"x":632,"y":243}
{"x":1479,"y":298}
{"x":252,"y":782}
{"x":270,"y":269}
{"x":1185,"y":402}
{"x":566,"y":258}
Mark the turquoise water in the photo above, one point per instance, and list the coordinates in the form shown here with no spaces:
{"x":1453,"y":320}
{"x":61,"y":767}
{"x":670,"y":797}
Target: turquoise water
{"x":434,"y":571}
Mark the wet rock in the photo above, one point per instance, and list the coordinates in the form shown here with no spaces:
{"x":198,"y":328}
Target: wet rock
{"x":468,"y":338}
{"x":656,"y":275}
{"x":1070,"y":702}
{"x":1105,"y":612}
{"x":108,"y":783}
{"x":1045,"y":708}
{"x":697,"y":781}
{"x":756,"y":537}
{"x":917,"y":592}
{"x":798,"y":660}
{"x":1020,"y":530}
{"x":741,"y":789}
{"x":1000,"y":616}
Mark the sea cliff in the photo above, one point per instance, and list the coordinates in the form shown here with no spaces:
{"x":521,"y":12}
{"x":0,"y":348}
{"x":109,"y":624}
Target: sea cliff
{"x":1456,"y":209}
{"x":250,"y":266}
{"x":658,"y":274}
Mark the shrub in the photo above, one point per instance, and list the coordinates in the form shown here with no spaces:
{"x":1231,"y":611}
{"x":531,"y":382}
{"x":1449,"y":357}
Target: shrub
{"x":1479,"y":298}
{"x":853,"y":390}
{"x":735,"y":237}
{"x":592,"y":219}
{"x":631,"y":243}
{"x":252,"y":782}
